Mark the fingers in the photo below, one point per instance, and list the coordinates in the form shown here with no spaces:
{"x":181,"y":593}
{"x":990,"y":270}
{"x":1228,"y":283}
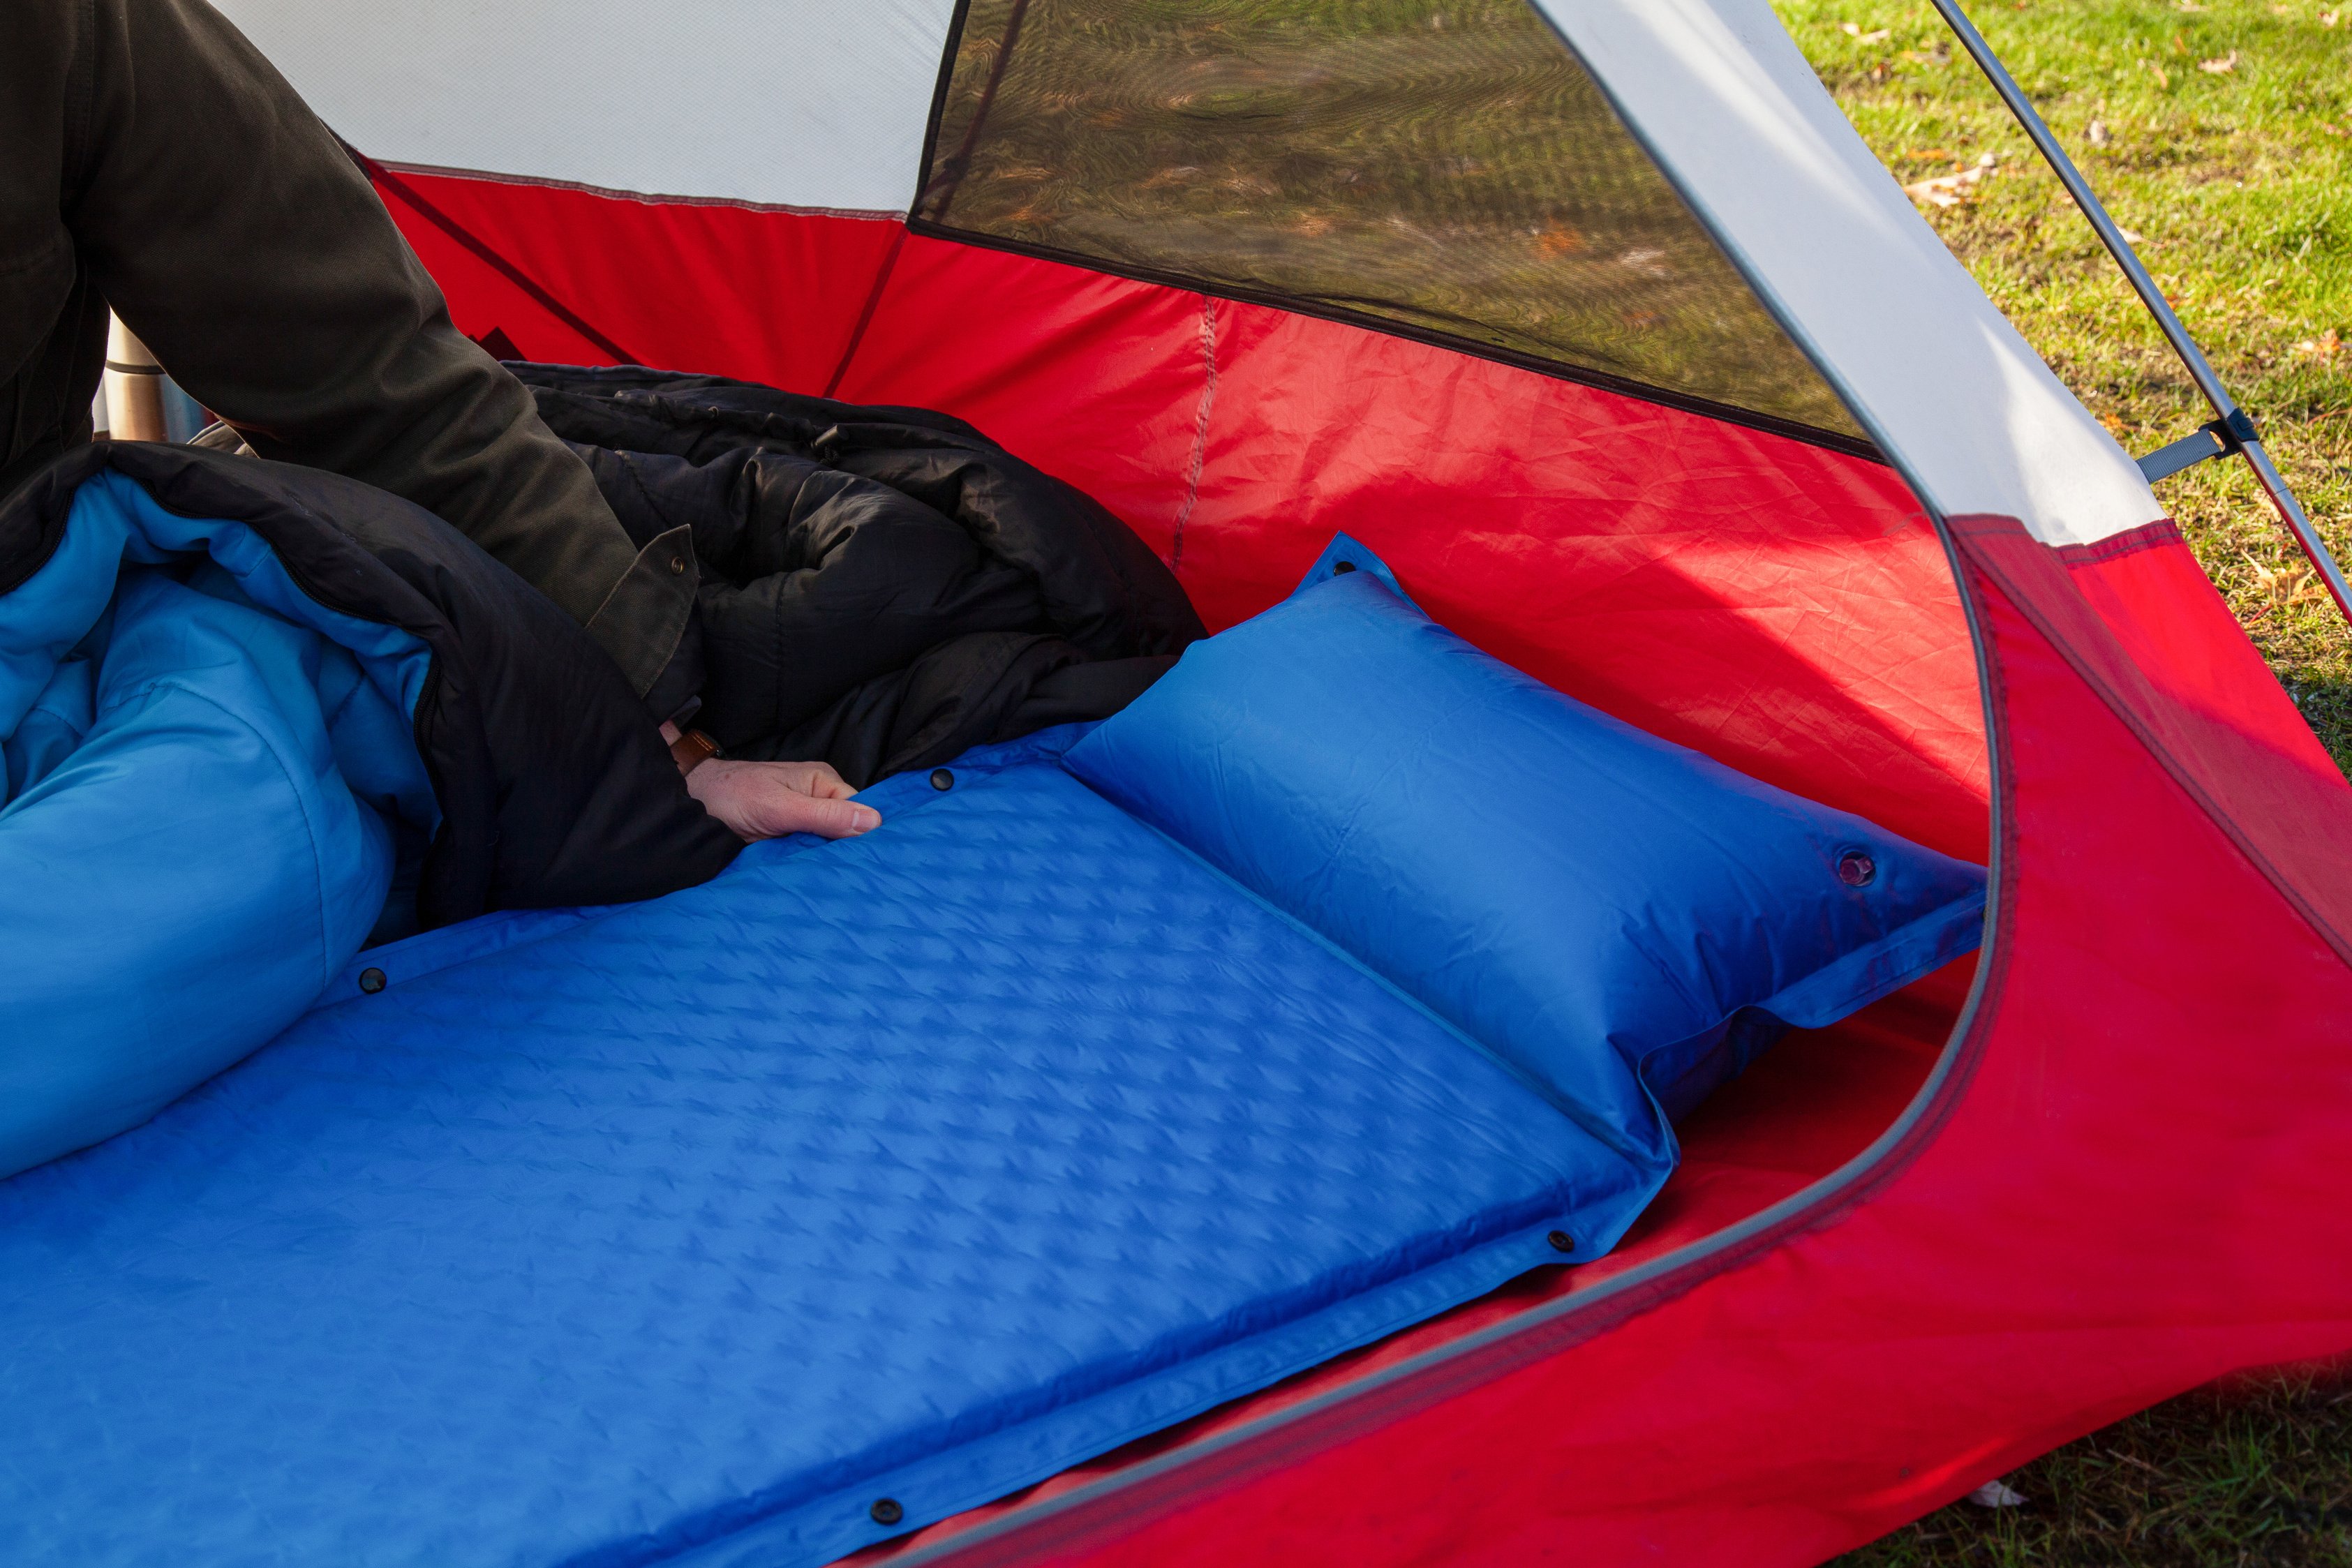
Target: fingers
{"x":827,"y":785}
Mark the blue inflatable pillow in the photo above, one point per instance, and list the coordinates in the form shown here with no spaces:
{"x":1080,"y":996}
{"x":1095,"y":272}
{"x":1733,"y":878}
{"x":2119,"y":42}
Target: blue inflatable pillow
{"x":1624,"y":921}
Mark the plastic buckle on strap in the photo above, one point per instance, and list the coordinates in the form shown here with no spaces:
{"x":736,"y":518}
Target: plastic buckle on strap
{"x":2215,"y":438}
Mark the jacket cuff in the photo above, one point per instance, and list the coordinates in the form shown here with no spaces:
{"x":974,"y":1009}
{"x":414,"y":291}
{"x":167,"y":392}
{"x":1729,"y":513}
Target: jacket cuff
{"x":646,"y":624}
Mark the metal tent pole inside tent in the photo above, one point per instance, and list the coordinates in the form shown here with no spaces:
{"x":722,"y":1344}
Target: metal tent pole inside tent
{"x":133,"y":384}
{"x":2230,"y":429}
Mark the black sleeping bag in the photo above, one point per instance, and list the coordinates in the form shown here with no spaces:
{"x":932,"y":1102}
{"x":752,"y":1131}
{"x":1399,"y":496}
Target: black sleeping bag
{"x":882,"y":588}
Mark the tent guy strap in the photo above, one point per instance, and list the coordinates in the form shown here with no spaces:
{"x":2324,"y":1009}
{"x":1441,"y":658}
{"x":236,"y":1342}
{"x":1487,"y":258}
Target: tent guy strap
{"x":2231,"y":429}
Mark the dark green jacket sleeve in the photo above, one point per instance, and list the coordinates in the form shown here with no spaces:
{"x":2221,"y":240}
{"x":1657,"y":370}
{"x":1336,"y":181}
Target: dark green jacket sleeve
{"x":227,"y":227}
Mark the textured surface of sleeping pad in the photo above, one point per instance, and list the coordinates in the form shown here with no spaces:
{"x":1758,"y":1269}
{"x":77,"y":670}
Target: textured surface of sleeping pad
{"x":915,"y":1166}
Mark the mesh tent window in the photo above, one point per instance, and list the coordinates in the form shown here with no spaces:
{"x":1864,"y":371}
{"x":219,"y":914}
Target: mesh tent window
{"x":1446,"y":168}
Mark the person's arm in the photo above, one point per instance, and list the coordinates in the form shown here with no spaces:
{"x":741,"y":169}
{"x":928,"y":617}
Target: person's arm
{"x":228,"y":229}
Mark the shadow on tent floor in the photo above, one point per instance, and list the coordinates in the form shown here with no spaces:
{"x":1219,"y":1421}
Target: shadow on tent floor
{"x":1814,"y":1102}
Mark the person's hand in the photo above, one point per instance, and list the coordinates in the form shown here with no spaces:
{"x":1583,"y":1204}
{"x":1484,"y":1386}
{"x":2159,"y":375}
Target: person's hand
{"x":768,"y":799}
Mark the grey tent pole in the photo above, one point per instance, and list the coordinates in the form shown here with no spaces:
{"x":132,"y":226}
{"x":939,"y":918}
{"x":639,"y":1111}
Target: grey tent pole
{"x":2230,"y":429}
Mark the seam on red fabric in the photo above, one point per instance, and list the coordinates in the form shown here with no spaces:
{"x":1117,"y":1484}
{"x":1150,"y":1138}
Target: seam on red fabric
{"x":482,"y":251}
{"x":866,"y":315}
{"x":2115,"y":547}
{"x":644,"y":198}
{"x":1982,"y":560}
{"x":1200,"y":430}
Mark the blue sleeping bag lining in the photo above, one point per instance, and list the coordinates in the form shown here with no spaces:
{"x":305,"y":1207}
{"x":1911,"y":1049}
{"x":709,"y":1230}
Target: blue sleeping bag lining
{"x":1107,"y":1081}
{"x":206,"y":772}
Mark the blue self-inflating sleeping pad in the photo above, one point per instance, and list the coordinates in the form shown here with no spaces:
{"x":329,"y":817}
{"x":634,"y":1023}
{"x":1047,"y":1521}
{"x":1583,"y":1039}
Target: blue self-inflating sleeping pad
{"x":914,"y":1166}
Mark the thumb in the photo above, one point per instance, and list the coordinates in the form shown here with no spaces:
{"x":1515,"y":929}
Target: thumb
{"x":831,"y":818}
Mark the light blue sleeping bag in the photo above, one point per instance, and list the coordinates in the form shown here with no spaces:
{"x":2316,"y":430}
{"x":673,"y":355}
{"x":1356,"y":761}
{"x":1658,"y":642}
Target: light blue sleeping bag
{"x":194,"y":837}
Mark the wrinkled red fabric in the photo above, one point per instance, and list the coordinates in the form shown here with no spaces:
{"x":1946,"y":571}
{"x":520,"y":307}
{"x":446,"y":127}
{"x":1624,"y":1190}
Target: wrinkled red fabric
{"x":767,"y":294}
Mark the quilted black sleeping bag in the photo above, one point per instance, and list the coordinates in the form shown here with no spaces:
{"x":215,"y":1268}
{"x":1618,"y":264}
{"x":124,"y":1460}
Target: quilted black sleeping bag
{"x":882,"y":588}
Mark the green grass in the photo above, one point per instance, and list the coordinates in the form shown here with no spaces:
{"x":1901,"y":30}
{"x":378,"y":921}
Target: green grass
{"x":2237,"y":182}
{"x":2255,"y":1473}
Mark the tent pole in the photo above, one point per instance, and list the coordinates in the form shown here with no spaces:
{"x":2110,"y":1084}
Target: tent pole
{"x":2232,"y":429}
{"x":135,"y":387}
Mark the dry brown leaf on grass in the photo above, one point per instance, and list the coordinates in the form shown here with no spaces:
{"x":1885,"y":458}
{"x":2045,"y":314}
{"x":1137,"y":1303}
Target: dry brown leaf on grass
{"x":1875,"y":35}
{"x":2285,"y":589}
{"x":2220,"y":66}
{"x":2327,"y":345}
{"x":1951,"y":190}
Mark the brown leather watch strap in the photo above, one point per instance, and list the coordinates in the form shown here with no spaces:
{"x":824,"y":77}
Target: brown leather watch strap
{"x":692,"y":749}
